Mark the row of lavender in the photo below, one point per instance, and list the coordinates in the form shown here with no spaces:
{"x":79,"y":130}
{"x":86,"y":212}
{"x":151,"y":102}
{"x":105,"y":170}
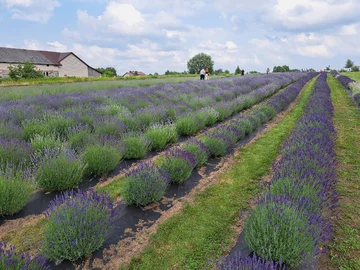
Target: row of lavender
{"x":58,"y":150}
{"x":354,"y":86}
{"x":287,"y":226}
{"x":78,"y":222}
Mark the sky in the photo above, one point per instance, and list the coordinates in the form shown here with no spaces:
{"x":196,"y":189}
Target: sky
{"x":159,"y":35}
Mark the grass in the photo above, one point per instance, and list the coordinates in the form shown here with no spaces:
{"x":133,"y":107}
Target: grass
{"x":204,"y":230}
{"x":345,"y":248}
{"x":57,"y":87}
{"x":353,"y":75}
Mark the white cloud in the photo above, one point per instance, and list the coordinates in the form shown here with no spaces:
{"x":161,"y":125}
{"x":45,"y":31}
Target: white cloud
{"x":314,"y":51}
{"x":57,"y":46}
{"x":31,"y":10}
{"x":349,"y":30}
{"x":48,"y":46}
{"x":302,"y":15}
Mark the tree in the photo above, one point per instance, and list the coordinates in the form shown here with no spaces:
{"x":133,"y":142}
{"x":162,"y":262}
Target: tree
{"x":218,"y":71}
{"x":199,"y":62}
{"x":26,"y":70}
{"x":136,"y":73}
{"x":226,"y":72}
{"x":355,"y":68}
{"x":284,"y":68}
{"x":108,"y":72}
{"x":237,"y":70}
{"x":349,"y":64}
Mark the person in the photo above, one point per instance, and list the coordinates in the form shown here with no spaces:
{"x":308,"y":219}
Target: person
{"x":267,"y":70}
{"x":202,"y":74}
{"x":207,"y":70}
{"x":242,"y":72}
{"x":207,"y":76}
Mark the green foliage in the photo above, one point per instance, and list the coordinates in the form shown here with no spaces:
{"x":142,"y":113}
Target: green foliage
{"x":237,"y":71}
{"x":79,"y":139}
{"x":59,"y":169}
{"x":227,"y":71}
{"x":201,"y":154}
{"x":349,"y":64}
{"x":216,"y":146}
{"x":107,"y":72}
{"x":41,"y":142}
{"x":14,"y":191}
{"x":160,"y":135}
{"x":279,"y":225}
{"x":168,"y":72}
{"x":355,"y":68}
{"x":187,"y":125}
{"x":281,"y":69}
{"x":200,"y":61}
{"x":102,"y":159}
{"x":26,"y":70}
{"x":207,"y":116}
{"x":136,"y":146}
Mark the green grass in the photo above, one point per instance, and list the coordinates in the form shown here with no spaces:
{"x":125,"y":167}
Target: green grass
{"x":353,"y":75}
{"x":204,"y":230}
{"x":57,"y":87}
{"x":345,"y":248}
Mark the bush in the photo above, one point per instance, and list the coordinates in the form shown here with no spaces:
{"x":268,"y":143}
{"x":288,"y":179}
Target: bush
{"x":79,"y":137}
{"x":208,"y":116}
{"x":137,"y":146}
{"x":102,"y":158}
{"x":218,"y":145}
{"x":178,"y":164}
{"x":187,"y":125}
{"x":41,"y":142}
{"x":78,"y":223}
{"x":144,"y":184}
{"x":14,"y":151}
{"x":160,"y":135}
{"x":58,"y":169}
{"x":198,"y":149}
{"x":15,"y":191}
{"x":280,"y":231}
{"x":10,"y":259}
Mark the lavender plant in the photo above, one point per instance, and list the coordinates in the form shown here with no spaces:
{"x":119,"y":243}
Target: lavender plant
{"x":160,"y":135}
{"x":144,"y":184}
{"x":11,"y":259}
{"x":208,"y":116}
{"x":41,"y":142}
{"x":77,"y":224}
{"x":198,"y":149}
{"x":187,"y":125}
{"x":178,"y":164}
{"x":14,"y":151}
{"x":137,"y":146}
{"x":58,"y":169}
{"x":102,"y":158}
{"x":15,"y":189}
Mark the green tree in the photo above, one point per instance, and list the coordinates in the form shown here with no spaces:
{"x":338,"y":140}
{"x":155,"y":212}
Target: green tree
{"x":26,"y":70}
{"x":349,"y":64}
{"x":136,"y":73}
{"x":355,"y":68}
{"x":226,"y":72}
{"x":108,"y":72}
{"x":218,"y":71}
{"x":199,"y":62}
{"x":237,"y":70}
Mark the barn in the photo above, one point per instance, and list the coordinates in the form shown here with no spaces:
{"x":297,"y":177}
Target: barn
{"x":51,"y":64}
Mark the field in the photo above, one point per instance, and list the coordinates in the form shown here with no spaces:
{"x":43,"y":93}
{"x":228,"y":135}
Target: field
{"x":254,"y":172}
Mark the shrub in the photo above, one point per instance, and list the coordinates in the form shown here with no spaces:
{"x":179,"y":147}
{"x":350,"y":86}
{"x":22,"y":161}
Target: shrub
{"x":11,"y":259}
{"x":14,"y":151}
{"x":58,"y":169}
{"x":78,"y":223}
{"x":15,"y":190}
{"x":78,"y":140}
{"x":160,"y":135}
{"x":280,"y":231}
{"x":144,"y":184}
{"x":41,"y":142}
{"x":187,"y":125}
{"x":178,"y":164}
{"x":103,"y":158}
{"x":137,"y":146}
{"x":218,"y":145}
{"x":109,"y":126}
{"x":208,"y":116}
{"x":198,"y":149}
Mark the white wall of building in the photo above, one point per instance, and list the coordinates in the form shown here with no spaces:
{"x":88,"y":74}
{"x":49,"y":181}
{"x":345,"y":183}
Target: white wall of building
{"x":72,"y":66}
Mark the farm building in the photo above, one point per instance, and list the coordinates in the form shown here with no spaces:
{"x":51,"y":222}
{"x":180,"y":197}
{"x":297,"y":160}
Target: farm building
{"x":52,"y":64}
{"x":132,"y":73}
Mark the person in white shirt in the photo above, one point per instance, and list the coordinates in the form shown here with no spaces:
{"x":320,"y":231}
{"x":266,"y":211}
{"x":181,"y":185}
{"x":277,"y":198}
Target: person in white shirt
{"x":202,"y":74}
{"x":207,"y":77}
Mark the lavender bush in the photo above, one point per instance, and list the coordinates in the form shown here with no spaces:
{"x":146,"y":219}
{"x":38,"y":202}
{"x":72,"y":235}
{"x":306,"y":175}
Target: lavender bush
{"x":137,"y":146}
{"x":160,"y":135}
{"x":178,"y":164}
{"x":198,"y":149}
{"x":14,"y":151}
{"x":102,"y":158}
{"x":144,"y":184}
{"x":58,"y":169}
{"x":78,"y":223}
{"x":11,"y":259}
{"x":15,"y":190}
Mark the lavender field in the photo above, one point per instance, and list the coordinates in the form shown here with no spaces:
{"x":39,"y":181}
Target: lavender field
{"x":78,"y":171}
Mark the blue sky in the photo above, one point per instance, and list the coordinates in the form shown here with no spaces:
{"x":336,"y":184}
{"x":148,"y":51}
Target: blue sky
{"x":154,"y":36}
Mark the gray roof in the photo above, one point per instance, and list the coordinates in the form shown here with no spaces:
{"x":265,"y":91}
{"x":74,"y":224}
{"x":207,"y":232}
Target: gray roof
{"x":11,"y":55}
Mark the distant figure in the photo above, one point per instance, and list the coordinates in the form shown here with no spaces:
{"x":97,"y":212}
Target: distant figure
{"x":207,"y":76}
{"x":267,"y":70}
{"x":202,"y":74}
{"x":207,"y":70}
{"x":242,"y":72}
